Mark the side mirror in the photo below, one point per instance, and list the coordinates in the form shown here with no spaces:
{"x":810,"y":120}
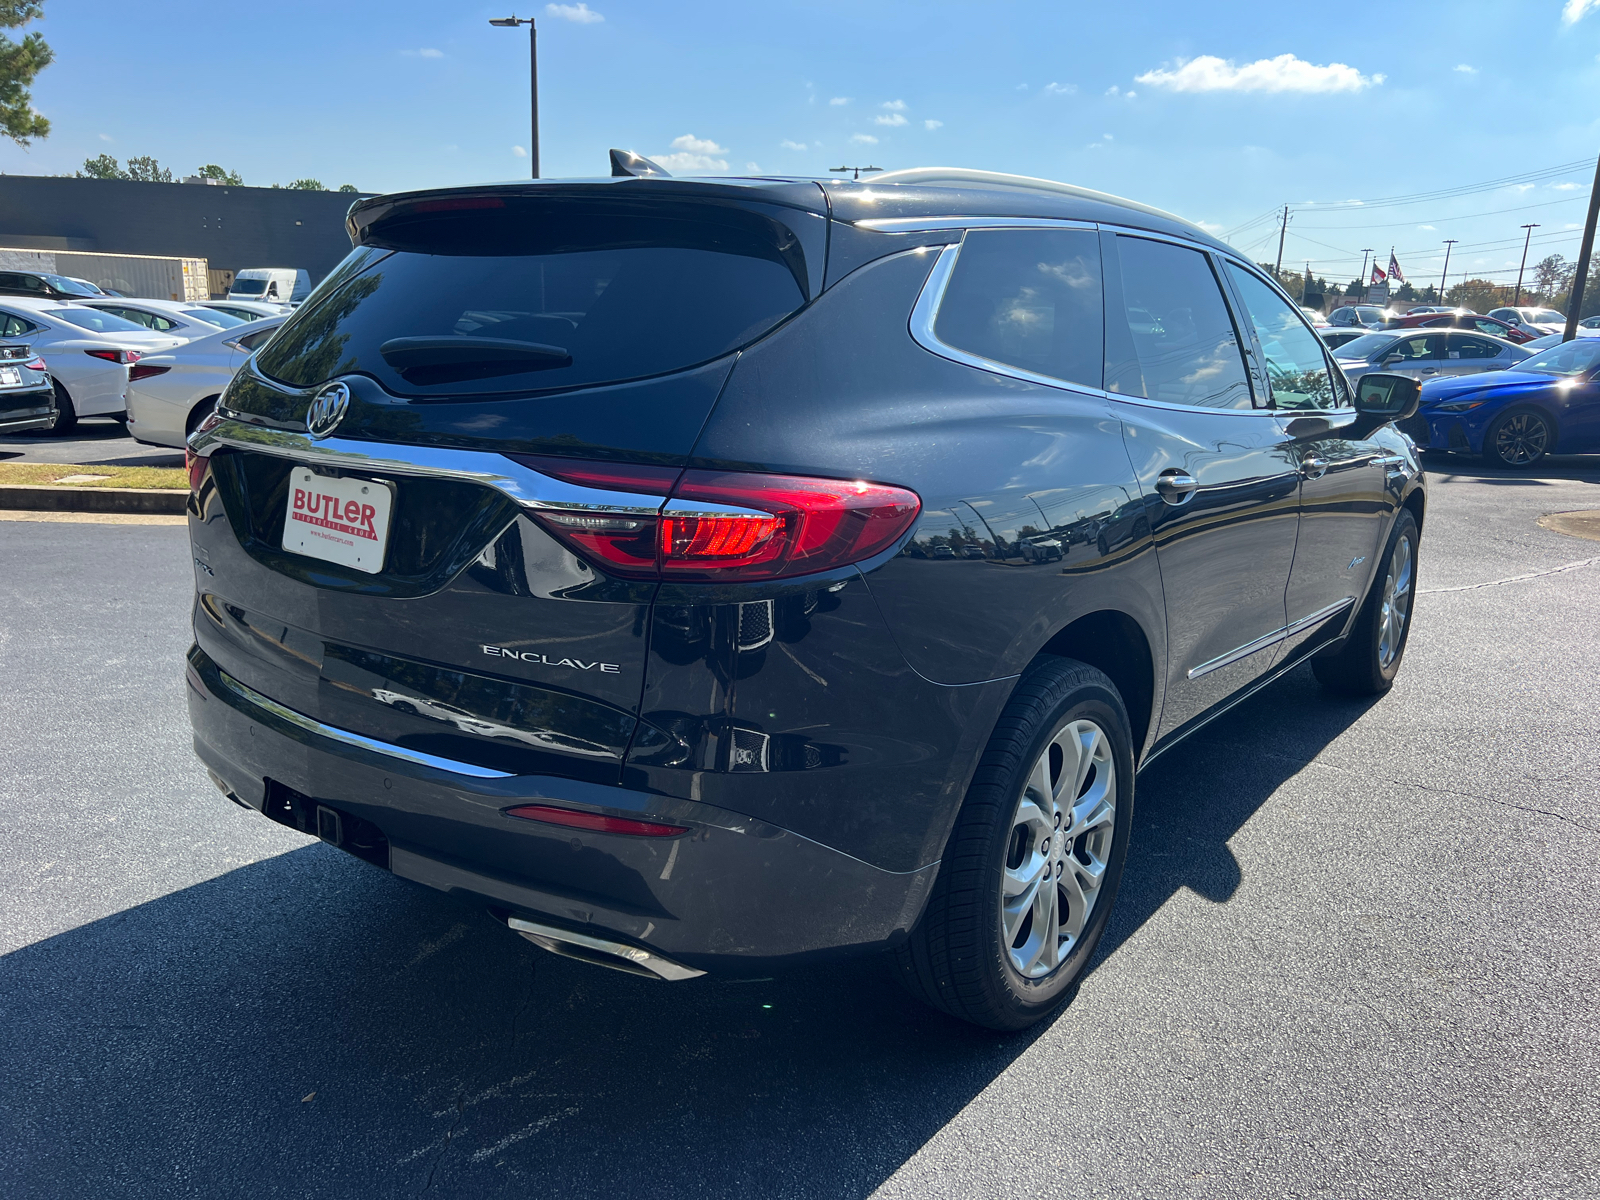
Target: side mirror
{"x":1381,"y":399}
{"x":1393,"y":358}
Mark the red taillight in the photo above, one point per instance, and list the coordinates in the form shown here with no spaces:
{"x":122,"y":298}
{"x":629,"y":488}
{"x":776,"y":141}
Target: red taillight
{"x":36,"y":364}
{"x":116,"y":356}
{"x":196,"y":463}
{"x":550,"y":814}
{"x":145,"y":370}
{"x":722,"y":525}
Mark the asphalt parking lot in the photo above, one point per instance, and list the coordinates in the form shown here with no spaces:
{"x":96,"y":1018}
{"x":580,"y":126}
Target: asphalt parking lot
{"x":96,"y":440}
{"x":1354,"y":956}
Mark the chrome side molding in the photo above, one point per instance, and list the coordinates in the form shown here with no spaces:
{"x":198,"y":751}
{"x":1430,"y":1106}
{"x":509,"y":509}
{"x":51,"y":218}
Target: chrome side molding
{"x":622,"y":956}
{"x":1271,"y":639}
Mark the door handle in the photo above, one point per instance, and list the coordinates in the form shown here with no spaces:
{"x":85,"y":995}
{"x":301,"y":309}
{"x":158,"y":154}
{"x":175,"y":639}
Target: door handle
{"x":1430,"y":370}
{"x":1314,"y":467}
{"x":1175,"y":486}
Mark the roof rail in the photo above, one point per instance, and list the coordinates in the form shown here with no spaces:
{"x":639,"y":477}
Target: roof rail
{"x":967,"y":177}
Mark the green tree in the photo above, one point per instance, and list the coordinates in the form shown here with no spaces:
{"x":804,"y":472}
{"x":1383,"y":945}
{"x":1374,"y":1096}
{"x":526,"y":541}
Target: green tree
{"x":20,"y":63}
{"x":101,"y":166}
{"x":1552,"y":280}
{"x":348,"y":187}
{"x":212,"y":171}
{"x":145,"y":169}
{"x":1480,"y":295}
{"x":307,"y":185}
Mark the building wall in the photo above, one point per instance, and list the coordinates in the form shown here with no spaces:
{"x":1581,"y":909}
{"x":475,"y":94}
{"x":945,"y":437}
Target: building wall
{"x":230,"y":227}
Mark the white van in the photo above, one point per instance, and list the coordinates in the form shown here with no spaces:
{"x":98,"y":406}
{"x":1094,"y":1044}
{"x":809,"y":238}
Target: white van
{"x":283,"y":285}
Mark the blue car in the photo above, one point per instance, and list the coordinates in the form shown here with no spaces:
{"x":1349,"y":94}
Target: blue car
{"x":1514,"y":418}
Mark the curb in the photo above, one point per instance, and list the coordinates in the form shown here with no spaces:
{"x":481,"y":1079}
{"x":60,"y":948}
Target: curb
{"x":93,"y":499}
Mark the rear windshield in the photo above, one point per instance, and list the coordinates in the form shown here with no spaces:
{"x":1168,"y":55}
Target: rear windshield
{"x":247,"y":287}
{"x":212,"y":316}
{"x":93,"y":318}
{"x":1365,"y":346}
{"x":480,"y":296}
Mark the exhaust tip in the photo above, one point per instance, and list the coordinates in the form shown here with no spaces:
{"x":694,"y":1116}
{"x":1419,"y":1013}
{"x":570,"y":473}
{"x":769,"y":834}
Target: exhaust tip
{"x":602,"y":952}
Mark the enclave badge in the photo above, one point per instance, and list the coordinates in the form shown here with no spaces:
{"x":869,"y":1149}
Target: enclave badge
{"x":327,"y":409}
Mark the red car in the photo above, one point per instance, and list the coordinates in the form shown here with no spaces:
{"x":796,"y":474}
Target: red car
{"x":1493,"y":326}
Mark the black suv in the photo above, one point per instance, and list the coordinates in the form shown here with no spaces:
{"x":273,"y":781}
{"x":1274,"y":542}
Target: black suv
{"x":705,"y":575}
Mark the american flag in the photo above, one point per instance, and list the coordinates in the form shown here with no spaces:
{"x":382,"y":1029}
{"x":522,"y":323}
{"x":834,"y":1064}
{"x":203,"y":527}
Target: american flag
{"x":1394,"y":268}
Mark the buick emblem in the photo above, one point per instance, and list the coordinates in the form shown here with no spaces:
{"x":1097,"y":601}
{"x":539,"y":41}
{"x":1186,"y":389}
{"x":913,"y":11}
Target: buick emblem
{"x":327,"y":409}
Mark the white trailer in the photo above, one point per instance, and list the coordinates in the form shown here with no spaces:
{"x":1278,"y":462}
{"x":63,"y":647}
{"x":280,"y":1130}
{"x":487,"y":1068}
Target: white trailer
{"x":151,"y":276}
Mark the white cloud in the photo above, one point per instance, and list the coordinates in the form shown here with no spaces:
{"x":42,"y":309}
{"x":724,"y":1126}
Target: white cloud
{"x":1429,"y":228}
{"x":840,"y":101}
{"x":519,"y":151}
{"x":1524,"y":187}
{"x":105,"y":137}
{"x":890,"y":119}
{"x":933,"y":124}
{"x":1060,"y":89}
{"x":1022,"y":87}
{"x":1575,"y":9}
{"x":425,"y":52}
{"x":1130,"y":94}
{"x":863,"y":139}
{"x":894,"y":105}
{"x":753,"y":167}
{"x":1107,"y":137}
{"x":1466,"y":69}
{"x":1210,"y":227}
{"x":693,"y":154}
{"x":788,"y":145}
{"x":580,"y":12}
{"x":1565,"y":187}
{"x":1285,"y":73}
{"x":1113,"y":90}
{"x":697,"y":145}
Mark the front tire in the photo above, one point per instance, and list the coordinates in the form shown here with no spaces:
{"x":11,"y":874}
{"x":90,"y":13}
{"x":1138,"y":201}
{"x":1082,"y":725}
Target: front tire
{"x":1033,"y":863}
{"x":1367,"y":661}
{"x":1519,"y":439}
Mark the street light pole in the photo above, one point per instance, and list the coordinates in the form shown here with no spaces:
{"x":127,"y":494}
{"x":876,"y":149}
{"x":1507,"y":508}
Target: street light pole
{"x":1448,"y":242}
{"x":1517,"y":299}
{"x":512,"y":22}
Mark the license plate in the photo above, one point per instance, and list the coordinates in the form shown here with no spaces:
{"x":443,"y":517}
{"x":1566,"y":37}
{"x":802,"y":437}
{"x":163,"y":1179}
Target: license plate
{"x":340,"y":520}
{"x":10,"y":377}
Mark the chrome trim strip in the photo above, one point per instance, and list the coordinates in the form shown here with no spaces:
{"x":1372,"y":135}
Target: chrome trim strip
{"x":347,"y":738}
{"x":527,"y":487}
{"x":656,"y":964}
{"x":1271,"y":639}
{"x":930,"y":224}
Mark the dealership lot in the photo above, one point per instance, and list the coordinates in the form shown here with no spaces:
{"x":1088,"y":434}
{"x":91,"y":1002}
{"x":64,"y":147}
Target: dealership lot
{"x":1354,"y":955}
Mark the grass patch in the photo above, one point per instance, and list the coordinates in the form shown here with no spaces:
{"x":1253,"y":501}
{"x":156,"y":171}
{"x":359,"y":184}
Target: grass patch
{"x":47,"y":474}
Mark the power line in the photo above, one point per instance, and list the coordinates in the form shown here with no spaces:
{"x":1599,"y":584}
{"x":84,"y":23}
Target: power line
{"x":1495,"y":212}
{"x":1488,"y":185}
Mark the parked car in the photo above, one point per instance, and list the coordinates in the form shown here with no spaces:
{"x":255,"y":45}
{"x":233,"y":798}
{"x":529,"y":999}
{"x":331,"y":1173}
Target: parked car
{"x":170,"y":394}
{"x":27,"y":399}
{"x":41,"y":285}
{"x":1555,"y":339}
{"x":1493,"y":326}
{"x":1315,"y":316}
{"x":88,"y":353}
{"x":1426,"y":355}
{"x":1538,"y":320}
{"x":576,"y":459}
{"x":179,"y":318}
{"x":1589,"y":323}
{"x":1337,"y":335}
{"x":245,"y":310}
{"x":1547,"y":403}
{"x":281,"y":284}
{"x":1368,"y":315}
{"x":1431,"y":308}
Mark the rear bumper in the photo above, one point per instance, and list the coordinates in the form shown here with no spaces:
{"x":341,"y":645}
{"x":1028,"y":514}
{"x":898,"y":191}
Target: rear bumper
{"x":732,"y":894}
{"x":27,"y":410}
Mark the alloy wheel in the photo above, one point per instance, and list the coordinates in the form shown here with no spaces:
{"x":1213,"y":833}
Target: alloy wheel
{"x":1521,"y":439}
{"x":1061,"y":837}
{"x":1396,"y":607}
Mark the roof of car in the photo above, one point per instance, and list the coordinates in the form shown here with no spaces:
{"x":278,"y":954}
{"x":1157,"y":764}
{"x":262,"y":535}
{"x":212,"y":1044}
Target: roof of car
{"x":906,"y":195}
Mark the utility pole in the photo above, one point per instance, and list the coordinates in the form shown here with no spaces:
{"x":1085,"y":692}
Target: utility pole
{"x":857,"y":170}
{"x":512,"y":22}
{"x":1277,"y":271}
{"x":1448,"y":242}
{"x":1575,"y":302}
{"x":1517,"y":299}
{"x":1305,"y":283}
{"x":1366,"y":250}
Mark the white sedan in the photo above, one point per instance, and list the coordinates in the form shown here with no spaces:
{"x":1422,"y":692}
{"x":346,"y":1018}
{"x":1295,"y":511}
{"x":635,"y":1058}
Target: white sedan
{"x":88,"y":353}
{"x":170,"y":394}
{"x":180,"y":318}
{"x":247,"y":310}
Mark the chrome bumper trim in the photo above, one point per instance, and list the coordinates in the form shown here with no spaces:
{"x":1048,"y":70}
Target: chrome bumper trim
{"x":632,"y":958}
{"x":345,"y":737}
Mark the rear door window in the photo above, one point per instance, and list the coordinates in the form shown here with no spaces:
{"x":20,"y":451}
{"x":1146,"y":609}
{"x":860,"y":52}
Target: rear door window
{"x":1169,"y":334}
{"x":1028,"y":298}
{"x":1472,"y":348}
{"x":484,"y":296}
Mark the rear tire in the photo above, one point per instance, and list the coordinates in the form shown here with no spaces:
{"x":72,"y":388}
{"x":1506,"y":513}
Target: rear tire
{"x":1051,"y":800}
{"x":1519,"y":439}
{"x":1367,"y":661}
{"x":66,"y":413}
{"x":199,"y":413}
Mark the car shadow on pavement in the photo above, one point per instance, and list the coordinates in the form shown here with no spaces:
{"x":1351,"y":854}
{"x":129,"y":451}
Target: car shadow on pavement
{"x":306,"y":1025}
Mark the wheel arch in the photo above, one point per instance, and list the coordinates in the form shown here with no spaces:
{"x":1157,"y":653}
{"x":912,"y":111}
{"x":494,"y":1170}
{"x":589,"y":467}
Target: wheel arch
{"x":1114,"y":642}
{"x":189,"y":421}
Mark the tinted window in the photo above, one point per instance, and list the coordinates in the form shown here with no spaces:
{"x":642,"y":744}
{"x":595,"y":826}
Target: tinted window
{"x":11,"y":326}
{"x":1028,"y":298}
{"x":1365,"y":346}
{"x":1297,"y":368}
{"x":1483,"y":325}
{"x":212,"y":316}
{"x":93,"y":318}
{"x":1571,"y":358}
{"x":1415,"y":348}
{"x":252,"y":340}
{"x":72,"y":287}
{"x":1472,"y":348}
{"x":139,"y":316}
{"x":1171,"y":337}
{"x":530,"y":296}
{"x":248,"y":287}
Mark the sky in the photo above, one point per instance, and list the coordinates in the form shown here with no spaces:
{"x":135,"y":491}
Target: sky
{"x":1220,"y":112}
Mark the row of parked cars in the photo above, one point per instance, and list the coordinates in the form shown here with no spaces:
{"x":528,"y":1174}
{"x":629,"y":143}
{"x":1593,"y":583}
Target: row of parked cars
{"x":159,"y":365}
{"x":1499,"y":384}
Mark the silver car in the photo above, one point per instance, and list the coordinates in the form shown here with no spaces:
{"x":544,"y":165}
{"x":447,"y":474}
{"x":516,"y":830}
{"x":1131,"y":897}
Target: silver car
{"x":27,"y":398}
{"x":1534,"y":320}
{"x":1427,"y":353}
